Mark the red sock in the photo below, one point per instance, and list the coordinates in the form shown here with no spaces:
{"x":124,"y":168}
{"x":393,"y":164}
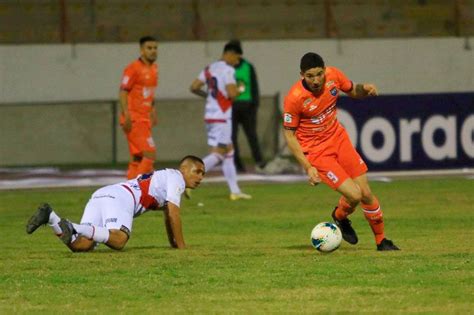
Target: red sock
{"x":145,"y":166}
{"x":343,"y":209}
{"x":132,"y":170}
{"x":374,"y":215}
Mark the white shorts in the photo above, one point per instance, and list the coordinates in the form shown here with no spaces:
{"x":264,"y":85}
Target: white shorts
{"x":111,"y":207}
{"x":219,"y":134}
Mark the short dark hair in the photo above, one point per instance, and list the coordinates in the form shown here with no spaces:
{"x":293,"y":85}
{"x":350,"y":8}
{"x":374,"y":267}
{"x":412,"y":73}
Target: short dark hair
{"x":311,"y":60}
{"x":233,"y":46}
{"x":192,"y":158}
{"x":145,"y":39}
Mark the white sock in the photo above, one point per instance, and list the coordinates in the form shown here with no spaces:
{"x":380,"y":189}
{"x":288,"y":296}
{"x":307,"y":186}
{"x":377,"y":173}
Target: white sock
{"x":101,"y":234}
{"x":53,"y":223}
{"x":230,"y":173}
{"x":96,"y":233}
{"x":84,"y":230}
{"x":211,"y":160}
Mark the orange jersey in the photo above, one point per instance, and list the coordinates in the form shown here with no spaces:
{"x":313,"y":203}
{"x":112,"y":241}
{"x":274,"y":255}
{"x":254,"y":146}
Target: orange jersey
{"x":314,"y":116}
{"x":140,"y":81}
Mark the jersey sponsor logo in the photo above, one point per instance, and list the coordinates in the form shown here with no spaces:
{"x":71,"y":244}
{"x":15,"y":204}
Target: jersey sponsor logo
{"x":321,"y":117}
{"x":288,"y":118}
{"x":313,"y":107}
{"x":334,"y":91}
{"x":318,"y":119}
{"x":332,"y":177}
{"x":307,"y":102}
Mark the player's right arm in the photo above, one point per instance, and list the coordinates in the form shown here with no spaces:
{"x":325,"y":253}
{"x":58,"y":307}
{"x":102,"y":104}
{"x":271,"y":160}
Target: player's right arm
{"x":196,"y":88}
{"x":173,"y":226}
{"x":291,"y":121}
{"x":297,"y":152}
{"x":128,"y":80}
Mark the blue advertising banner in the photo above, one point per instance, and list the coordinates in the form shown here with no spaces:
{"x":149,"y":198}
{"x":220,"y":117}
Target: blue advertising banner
{"x":408,"y":132}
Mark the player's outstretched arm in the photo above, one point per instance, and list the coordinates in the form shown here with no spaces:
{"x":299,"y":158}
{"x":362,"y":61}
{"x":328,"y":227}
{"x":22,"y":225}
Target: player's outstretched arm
{"x":173,"y":226}
{"x":295,"y":148}
{"x":362,"y":90}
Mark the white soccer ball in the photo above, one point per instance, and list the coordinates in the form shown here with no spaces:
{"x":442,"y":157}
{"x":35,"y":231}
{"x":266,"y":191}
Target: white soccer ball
{"x":326,"y":237}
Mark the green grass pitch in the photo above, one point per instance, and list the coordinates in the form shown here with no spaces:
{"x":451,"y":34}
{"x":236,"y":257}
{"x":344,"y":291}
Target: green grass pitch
{"x":249,"y":256}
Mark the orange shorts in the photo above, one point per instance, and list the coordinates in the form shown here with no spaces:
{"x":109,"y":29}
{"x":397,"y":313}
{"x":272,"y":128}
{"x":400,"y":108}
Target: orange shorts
{"x":336,"y":159}
{"x":140,"y":139}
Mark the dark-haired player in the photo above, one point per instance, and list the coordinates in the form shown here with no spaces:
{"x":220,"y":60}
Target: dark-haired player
{"x":109,"y":214}
{"x":221,"y":90}
{"x":138,"y":114}
{"x":322,"y":146}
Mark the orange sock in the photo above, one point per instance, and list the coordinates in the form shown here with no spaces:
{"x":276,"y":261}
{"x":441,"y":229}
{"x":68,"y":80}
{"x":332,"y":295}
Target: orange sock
{"x":145,"y":166}
{"x":374,"y":215}
{"x":132,"y":170}
{"x":343,"y":209}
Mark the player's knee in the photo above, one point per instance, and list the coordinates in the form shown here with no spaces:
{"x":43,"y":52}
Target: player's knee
{"x":354,"y":197}
{"x":117,"y":239}
{"x":367,"y":197}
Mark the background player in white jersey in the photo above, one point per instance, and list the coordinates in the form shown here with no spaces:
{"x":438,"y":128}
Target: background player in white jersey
{"x":221,"y":90}
{"x":109,"y":214}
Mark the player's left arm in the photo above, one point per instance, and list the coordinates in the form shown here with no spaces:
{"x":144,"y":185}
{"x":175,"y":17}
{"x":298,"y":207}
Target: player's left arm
{"x":232,"y":90}
{"x":363,"y":90}
{"x":173,"y":226}
{"x":196,"y":88}
{"x":153,"y":115}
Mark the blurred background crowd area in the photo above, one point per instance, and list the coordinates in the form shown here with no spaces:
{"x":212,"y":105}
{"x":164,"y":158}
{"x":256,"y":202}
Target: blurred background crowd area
{"x":102,"y":21}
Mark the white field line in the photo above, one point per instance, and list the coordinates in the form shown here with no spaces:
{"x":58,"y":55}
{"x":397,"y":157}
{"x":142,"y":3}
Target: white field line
{"x":88,"y":178}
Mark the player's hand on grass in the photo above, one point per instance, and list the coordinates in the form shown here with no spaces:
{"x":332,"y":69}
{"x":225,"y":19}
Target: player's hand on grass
{"x":313,"y":176}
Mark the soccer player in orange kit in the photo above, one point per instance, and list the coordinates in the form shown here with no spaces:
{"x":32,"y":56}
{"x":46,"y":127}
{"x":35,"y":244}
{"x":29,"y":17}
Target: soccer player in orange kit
{"x":138,"y":114}
{"x":323,"y":148}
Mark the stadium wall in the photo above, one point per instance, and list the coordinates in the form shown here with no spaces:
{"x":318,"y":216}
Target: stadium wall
{"x":39,"y":73}
{"x":55,"y":84}
{"x":62,"y":133}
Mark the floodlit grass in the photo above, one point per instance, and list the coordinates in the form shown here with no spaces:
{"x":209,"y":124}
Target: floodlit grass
{"x":249,"y":256}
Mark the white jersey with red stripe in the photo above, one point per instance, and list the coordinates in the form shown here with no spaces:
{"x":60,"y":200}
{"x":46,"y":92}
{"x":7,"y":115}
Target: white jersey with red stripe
{"x":217,"y":76}
{"x":153,"y":191}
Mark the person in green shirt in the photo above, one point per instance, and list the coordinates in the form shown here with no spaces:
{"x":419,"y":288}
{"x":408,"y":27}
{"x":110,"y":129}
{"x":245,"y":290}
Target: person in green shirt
{"x":244,"y":112}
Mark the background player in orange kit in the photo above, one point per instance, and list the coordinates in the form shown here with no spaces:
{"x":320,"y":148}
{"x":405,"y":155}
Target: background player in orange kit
{"x":322,"y":146}
{"x":137,"y":90}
